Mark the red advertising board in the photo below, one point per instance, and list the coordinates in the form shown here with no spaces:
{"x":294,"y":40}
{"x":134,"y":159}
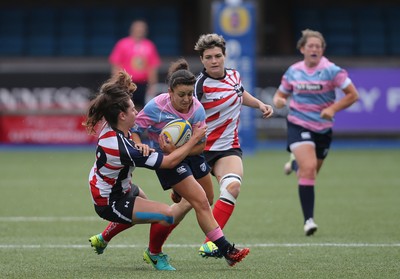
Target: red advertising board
{"x":44,"y":129}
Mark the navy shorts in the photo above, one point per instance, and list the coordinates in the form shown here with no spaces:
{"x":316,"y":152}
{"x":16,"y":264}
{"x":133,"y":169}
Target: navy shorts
{"x":191,"y":165}
{"x":119,"y":210}
{"x":296,"y":133}
{"x":213,"y":156}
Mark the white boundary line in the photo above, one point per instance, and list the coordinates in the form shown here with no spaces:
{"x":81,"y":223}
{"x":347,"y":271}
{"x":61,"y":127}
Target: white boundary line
{"x":50,"y":219}
{"x":95,"y":218}
{"x":120,"y":246}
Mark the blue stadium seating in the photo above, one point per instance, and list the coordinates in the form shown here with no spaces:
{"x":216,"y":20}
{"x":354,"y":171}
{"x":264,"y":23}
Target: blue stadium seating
{"x":371,"y":37}
{"x":71,"y":39}
{"x":12,"y":31}
{"x":370,"y":30}
{"x":393,"y":39}
{"x":102,"y":30}
{"x":41,"y":32}
{"x":339,"y":31}
{"x":307,"y":18}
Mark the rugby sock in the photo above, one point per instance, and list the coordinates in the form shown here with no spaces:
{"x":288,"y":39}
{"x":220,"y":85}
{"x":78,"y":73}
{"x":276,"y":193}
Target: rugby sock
{"x":158,"y":235}
{"x":222,"y":212}
{"x":307,"y":198}
{"x":113,"y":229}
{"x":217,"y":236}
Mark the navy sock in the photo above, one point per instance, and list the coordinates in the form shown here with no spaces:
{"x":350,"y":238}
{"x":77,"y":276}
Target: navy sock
{"x":223,"y":245}
{"x":306,"y":194}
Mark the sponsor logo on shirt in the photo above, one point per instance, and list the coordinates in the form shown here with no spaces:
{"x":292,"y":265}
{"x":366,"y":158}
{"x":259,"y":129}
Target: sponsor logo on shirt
{"x":309,"y":87}
{"x":169,"y":116}
{"x":238,"y":90}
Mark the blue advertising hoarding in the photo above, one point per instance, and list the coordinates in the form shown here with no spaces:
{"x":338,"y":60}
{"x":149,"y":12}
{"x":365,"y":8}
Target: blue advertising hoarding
{"x":236,"y":23}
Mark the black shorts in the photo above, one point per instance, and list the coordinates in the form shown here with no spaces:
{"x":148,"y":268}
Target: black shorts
{"x":214,"y":156}
{"x":119,"y":210}
{"x":191,"y":165}
{"x":296,"y":133}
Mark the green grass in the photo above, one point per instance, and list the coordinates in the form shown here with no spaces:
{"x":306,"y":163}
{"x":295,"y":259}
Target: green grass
{"x":357,"y":210}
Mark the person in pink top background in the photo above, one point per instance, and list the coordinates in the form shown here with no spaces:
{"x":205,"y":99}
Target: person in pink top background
{"x":138,"y":56}
{"x":311,"y":84}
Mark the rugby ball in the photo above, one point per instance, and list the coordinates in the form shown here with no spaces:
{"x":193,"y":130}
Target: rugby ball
{"x":177,"y":131}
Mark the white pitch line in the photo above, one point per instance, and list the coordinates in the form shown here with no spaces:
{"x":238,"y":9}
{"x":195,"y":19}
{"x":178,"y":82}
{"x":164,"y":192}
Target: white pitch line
{"x":95,"y":218}
{"x":50,"y":219}
{"x":120,"y":246}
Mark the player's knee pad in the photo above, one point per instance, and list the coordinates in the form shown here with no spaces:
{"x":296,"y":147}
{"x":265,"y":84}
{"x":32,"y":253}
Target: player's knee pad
{"x":225,"y":181}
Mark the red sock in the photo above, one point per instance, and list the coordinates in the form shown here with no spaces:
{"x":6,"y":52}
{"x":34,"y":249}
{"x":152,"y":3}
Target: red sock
{"x":222,"y":212}
{"x":113,"y":229}
{"x":158,"y":235}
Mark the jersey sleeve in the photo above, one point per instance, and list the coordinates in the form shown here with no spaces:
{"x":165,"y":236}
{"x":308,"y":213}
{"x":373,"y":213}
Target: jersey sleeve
{"x":132,"y":156}
{"x":285,"y":86}
{"x":341,"y":78}
{"x":144,"y":119}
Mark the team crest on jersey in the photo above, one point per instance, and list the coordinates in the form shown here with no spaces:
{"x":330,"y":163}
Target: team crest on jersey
{"x":238,"y":89}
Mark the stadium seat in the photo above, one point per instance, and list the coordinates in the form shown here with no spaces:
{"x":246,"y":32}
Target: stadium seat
{"x":71,"y":46}
{"x":102,"y":25}
{"x":393,"y":22}
{"x":371,"y":36}
{"x":307,"y":18}
{"x":71,"y":38}
{"x":165,"y":31}
{"x":41,"y":32}
{"x":339,"y":31}
{"x":12,"y":31}
{"x":11,"y":45}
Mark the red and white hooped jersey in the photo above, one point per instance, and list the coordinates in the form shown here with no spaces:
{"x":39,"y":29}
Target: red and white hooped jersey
{"x":222,"y":100}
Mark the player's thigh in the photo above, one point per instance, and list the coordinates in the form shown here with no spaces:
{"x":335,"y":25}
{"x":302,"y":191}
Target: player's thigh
{"x":228,"y":164}
{"x":305,"y":155}
{"x":191,"y":190}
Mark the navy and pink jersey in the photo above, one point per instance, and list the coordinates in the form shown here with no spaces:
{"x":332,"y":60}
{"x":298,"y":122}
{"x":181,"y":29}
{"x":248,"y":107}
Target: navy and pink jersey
{"x":222,"y":100}
{"x":312,"y":90}
{"x":159,"y":111}
{"x":116,"y":158}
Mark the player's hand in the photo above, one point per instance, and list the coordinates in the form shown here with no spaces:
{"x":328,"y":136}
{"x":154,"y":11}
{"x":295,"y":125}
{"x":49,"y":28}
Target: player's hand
{"x":327,"y":113}
{"x":266,"y":110}
{"x":279,"y":102}
{"x":199,"y":132}
{"x":144,"y":149}
{"x":165,"y":145}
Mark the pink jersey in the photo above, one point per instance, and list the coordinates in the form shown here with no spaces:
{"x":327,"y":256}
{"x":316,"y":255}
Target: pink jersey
{"x":159,"y":111}
{"x":136,"y":58}
{"x":312,"y":90}
{"x":222,"y":100}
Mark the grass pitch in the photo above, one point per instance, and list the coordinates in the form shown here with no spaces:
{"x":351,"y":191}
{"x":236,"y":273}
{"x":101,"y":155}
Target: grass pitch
{"x":46,"y":218}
